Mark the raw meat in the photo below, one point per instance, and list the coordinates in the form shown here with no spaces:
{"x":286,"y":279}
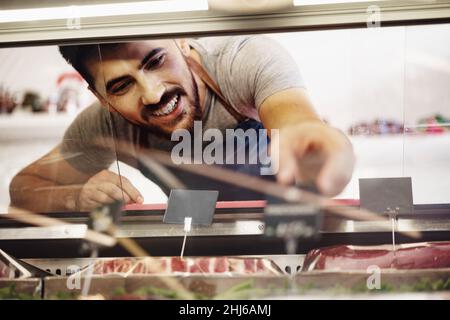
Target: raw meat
{"x":177,"y":265}
{"x":426,"y":255}
{"x":4,"y":270}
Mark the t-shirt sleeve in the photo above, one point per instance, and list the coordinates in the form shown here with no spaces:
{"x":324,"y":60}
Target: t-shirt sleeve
{"x":87,"y":144}
{"x":257,"y":67}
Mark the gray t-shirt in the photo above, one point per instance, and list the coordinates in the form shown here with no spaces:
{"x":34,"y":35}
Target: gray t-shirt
{"x":247,"y":69}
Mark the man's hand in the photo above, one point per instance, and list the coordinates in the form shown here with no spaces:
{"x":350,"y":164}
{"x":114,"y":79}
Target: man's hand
{"x":309,"y":151}
{"x":312,"y":152}
{"x":107,"y":187}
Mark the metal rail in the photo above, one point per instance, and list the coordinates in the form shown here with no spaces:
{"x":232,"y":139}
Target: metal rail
{"x":203,"y":23}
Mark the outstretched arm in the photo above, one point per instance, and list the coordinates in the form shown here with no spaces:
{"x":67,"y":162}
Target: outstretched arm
{"x":52,"y":184}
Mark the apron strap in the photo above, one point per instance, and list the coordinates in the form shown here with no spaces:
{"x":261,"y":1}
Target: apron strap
{"x":203,"y":74}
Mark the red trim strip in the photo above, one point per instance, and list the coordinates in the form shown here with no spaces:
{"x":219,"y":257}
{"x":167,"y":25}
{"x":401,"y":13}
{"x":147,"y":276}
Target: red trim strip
{"x":225,"y":205}
{"x":220,"y":205}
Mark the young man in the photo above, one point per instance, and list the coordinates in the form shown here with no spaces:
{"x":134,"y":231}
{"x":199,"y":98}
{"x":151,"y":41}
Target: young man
{"x":149,"y":89}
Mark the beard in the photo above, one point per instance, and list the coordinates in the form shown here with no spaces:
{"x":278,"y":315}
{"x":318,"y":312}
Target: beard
{"x":192,"y":112}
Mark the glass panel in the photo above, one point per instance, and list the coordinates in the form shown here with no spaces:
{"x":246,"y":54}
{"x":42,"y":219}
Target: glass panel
{"x":120,"y":96}
{"x":369,"y":83}
{"x":427,"y":113}
{"x":41,"y":96}
{"x":315,"y":2}
{"x":355,"y":79}
{"x":325,"y":61}
{"x":377,"y":103}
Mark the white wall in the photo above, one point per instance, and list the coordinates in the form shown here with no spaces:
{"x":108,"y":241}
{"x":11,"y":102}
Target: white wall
{"x":362,"y":74}
{"x":32,"y":68}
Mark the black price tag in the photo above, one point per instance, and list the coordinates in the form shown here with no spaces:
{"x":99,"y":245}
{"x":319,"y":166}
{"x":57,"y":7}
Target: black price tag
{"x":200,"y":205}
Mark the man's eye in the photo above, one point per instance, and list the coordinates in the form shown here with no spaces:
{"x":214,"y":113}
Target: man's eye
{"x":121,"y":88}
{"x":156,"y":62}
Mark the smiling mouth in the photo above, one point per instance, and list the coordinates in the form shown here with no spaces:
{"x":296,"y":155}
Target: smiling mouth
{"x":168,"y":108}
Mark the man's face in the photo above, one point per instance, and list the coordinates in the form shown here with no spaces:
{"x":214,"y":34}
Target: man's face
{"x":149,"y":84}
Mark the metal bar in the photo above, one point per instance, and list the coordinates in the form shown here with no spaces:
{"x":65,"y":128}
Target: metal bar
{"x":324,"y":16}
{"x":39,"y":220}
{"x":231,"y":228}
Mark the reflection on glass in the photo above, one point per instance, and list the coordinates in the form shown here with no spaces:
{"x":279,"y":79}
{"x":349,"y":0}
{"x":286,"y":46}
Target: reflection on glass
{"x":427,"y":117}
{"x":386,"y":89}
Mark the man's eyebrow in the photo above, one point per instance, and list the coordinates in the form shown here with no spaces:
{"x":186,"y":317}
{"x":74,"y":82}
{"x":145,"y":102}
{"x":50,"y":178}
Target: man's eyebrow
{"x":148,"y":56}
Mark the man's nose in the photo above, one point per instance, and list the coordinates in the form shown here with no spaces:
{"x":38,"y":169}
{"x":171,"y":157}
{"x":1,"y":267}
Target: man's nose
{"x":151,"y":89}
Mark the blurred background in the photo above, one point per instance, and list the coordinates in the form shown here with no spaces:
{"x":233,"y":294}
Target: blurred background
{"x":387,"y":88}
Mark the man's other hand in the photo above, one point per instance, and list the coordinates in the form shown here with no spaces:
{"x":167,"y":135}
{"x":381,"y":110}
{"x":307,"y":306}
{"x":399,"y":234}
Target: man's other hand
{"x":314,"y":153}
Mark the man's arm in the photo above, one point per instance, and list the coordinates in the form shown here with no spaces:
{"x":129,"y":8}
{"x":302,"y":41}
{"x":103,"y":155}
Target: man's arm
{"x":48,"y":184}
{"x":261,"y":73}
{"x":309,"y":151}
{"x":53,"y":184}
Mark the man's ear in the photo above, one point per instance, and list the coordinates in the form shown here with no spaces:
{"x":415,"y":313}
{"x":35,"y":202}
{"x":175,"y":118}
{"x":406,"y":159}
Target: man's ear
{"x":184,"y":47}
{"x":102,"y":100}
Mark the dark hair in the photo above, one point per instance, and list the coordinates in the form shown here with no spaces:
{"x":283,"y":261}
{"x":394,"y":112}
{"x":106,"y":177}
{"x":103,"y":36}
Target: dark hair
{"x":77,"y":55}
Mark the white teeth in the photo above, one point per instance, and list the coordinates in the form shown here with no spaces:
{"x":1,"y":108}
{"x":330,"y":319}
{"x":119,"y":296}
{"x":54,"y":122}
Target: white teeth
{"x":168,"y":108}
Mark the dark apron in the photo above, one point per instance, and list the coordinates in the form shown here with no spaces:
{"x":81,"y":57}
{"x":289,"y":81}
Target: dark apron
{"x":227,"y":192}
